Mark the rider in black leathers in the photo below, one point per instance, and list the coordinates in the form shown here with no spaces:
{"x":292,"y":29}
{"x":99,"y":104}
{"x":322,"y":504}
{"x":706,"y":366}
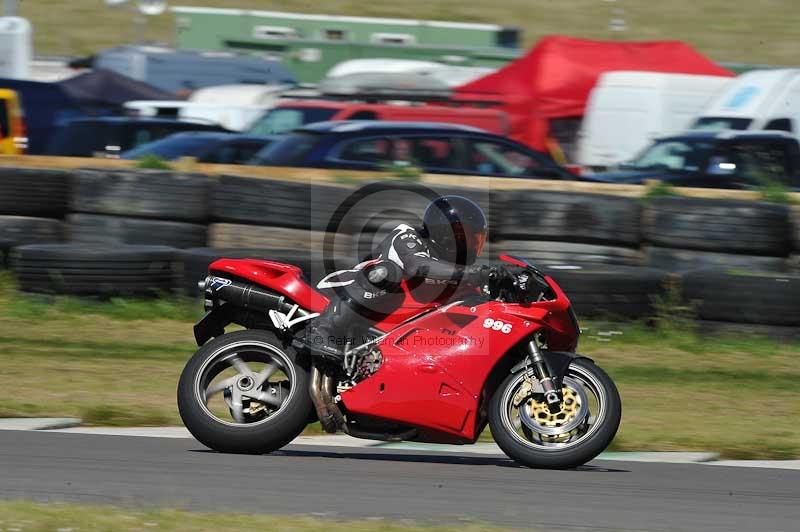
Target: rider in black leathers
{"x":436,"y":261}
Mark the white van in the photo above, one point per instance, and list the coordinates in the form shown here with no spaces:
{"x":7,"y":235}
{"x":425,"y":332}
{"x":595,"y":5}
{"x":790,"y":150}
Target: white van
{"x":627,"y":110}
{"x":761,"y":99}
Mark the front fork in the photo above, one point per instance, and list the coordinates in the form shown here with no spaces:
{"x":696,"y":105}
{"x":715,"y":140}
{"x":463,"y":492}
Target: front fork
{"x":552,"y":392}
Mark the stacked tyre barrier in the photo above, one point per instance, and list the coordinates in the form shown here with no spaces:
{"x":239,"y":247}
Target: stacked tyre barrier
{"x":734,"y":259}
{"x":126,"y":232}
{"x":112,"y":207}
{"x":96,"y":270}
{"x":286,"y":221}
{"x":375,"y":209}
{"x":589,"y":243}
{"x":612,"y":292}
{"x":123,"y":229}
{"x":33,"y":203}
{"x":745,"y":297}
{"x":260,"y":213}
{"x":557,"y":228}
{"x":745,"y":301}
{"x":684,"y":234}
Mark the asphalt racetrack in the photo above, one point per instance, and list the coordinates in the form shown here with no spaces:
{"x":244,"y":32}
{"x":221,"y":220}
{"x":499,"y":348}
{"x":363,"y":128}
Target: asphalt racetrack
{"x":380,"y":483}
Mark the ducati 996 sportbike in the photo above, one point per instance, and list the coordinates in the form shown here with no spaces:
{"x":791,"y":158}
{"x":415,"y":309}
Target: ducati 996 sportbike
{"x":504,"y":356}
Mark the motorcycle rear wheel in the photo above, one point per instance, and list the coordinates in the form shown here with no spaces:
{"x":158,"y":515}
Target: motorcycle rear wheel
{"x":226,"y":368}
{"x":599,"y":405}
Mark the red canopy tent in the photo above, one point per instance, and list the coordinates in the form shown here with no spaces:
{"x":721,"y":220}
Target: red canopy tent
{"x":555,"y":78}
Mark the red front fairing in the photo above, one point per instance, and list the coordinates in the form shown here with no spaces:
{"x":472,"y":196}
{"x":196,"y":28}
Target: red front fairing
{"x":282,"y":278}
{"x":435,"y":367}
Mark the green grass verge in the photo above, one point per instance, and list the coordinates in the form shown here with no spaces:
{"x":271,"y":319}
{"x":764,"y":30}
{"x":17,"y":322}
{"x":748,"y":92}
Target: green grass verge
{"x":763,"y":31}
{"x":117,"y":363}
{"x":28,"y":516}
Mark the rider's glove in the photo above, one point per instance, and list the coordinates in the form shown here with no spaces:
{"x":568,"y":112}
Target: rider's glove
{"x":489,"y":275}
{"x":501,"y":277}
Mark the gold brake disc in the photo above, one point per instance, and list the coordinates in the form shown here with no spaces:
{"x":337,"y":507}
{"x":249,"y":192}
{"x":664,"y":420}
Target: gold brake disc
{"x":570,"y":408}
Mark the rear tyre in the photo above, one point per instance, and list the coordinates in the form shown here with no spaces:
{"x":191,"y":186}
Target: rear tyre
{"x":593,"y":408}
{"x":244,"y":392}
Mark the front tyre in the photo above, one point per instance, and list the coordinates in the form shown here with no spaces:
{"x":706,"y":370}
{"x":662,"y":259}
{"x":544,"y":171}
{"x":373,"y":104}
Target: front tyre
{"x":526,"y":430}
{"x":244,"y":392}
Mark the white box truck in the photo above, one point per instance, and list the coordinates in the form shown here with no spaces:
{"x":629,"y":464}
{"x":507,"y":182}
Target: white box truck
{"x":760,"y":99}
{"x":628,"y":109}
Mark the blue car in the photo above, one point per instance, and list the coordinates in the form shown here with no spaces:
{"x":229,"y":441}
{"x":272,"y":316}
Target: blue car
{"x":715,"y":159}
{"x":206,"y":147}
{"x":112,"y":135}
{"x":431,"y":147}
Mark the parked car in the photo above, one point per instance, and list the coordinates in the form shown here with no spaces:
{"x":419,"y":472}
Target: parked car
{"x":205,"y":146}
{"x":434,"y":148}
{"x":111,"y":136}
{"x":292,"y":114}
{"x":710,"y":159}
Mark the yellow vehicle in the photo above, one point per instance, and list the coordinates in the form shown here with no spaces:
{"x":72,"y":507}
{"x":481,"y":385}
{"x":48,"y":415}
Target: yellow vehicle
{"x":13,"y":139}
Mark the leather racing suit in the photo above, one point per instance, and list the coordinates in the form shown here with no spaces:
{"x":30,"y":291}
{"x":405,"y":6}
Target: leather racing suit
{"x":372,"y":290}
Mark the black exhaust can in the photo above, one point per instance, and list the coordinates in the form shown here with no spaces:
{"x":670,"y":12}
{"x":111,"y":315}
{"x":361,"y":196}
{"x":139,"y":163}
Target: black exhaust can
{"x":220,"y":290}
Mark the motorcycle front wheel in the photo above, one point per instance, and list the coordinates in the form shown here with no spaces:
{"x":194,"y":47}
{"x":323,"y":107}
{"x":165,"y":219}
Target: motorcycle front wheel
{"x":244,"y":392}
{"x":530,"y":433}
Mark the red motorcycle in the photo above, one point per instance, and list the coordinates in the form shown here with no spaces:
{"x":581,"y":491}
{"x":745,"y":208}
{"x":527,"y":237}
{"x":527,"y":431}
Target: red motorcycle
{"x":504,"y":356}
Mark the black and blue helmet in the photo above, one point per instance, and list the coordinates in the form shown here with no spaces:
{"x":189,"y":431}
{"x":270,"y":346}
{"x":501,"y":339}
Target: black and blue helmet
{"x":455,"y":228}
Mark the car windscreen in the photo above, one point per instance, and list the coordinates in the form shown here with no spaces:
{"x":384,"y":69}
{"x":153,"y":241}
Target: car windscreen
{"x":284,"y":119}
{"x":291,"y":150}
{"x":172,"y":148}
{"x":719,"y":123}
{"x":668,"y":154}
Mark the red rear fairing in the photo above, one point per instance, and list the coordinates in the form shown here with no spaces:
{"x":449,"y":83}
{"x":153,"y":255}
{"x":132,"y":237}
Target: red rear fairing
{"x":282,"y":278}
